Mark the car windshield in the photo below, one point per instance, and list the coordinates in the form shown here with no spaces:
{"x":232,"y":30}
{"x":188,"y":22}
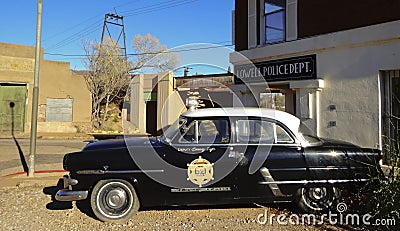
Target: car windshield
{"x":170,"y":133}
{"x":308,"y":134}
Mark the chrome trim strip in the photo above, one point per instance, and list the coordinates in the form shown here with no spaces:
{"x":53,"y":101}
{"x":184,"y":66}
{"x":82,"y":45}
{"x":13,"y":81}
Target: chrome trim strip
{"x":100,"y":172}
{"x":315,"y":168}
{"x":334,"y":168}
{"x":291,"y":145}
{"x":311,"y":181}
{"x":68,"y":195}
{"x":271,"y":182}
{"x":215,"y":189}
{"x":287,"y":169}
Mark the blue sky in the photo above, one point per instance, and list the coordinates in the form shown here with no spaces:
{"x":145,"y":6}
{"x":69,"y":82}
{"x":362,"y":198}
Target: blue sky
{"x":65,"y":24}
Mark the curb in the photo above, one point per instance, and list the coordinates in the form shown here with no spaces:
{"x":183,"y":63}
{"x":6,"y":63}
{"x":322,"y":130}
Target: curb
{"x":35,"y":172}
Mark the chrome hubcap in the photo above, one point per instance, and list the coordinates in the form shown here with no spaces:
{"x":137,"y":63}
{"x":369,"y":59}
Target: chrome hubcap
{"x":318,"y":193}
{"x":116,"y":198}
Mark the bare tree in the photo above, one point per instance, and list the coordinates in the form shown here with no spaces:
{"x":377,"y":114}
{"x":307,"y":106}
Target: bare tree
{"x":149,"y":53}
{"x":109,"y":73}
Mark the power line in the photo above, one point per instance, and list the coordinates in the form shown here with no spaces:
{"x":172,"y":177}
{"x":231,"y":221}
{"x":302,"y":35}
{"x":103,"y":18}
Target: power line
{"x":157,"y":7}
{"x":93,"y":27}
{"x":72,"y":38}
{"x":150,"y":53}
{"x":84,"y":21}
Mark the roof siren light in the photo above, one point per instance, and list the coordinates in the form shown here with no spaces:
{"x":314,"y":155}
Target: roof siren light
{"x":192,"y":103}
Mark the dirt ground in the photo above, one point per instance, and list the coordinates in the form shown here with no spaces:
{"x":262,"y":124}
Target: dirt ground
{"x":28,"y":204}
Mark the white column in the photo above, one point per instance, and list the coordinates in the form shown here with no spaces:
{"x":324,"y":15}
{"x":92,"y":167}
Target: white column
{"x":308,"y":101}
{"x":138,"y":106}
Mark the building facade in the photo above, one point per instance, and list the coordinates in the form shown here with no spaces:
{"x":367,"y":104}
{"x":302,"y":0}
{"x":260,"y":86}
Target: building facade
{"x":64,"y":101}
{"x":157,"y":100}
{"x":334,"y":64}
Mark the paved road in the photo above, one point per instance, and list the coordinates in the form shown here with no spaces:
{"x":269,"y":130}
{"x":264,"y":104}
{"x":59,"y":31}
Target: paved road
{"x":14,"y":154}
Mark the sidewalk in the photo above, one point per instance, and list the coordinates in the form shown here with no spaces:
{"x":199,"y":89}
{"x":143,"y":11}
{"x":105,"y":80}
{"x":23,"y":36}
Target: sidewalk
{"x":49,"y":136}
{"x":50,"y":150}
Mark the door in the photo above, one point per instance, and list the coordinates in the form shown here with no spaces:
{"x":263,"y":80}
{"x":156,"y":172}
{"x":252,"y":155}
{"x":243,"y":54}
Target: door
{"x":271,"y":159}
{"x":12,"y":107}
{"x":201,"y":149}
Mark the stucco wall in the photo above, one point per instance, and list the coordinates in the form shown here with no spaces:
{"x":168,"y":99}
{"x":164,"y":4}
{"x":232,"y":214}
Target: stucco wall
{"x":352,"y":85}
{"x":349,"y":63}
{"x":56,"y":80}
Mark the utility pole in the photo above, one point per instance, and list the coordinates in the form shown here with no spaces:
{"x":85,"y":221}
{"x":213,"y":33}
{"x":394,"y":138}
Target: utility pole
{"x":115,"y":20}
{"x":35,"y":98}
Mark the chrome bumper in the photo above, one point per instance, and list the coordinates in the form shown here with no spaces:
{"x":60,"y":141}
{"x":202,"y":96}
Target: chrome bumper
{"x":67,"y":194}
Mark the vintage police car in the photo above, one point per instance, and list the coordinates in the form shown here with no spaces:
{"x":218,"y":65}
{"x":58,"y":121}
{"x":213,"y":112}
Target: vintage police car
{"x":217,"y":156}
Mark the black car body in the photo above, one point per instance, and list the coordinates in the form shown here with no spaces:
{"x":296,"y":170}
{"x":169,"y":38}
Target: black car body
{"x":217,"y":156}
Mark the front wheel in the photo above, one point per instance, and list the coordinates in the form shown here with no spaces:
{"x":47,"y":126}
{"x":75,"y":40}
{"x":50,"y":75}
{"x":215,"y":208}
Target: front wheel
{"x":114,"y":200}
{"x":317,"y":199}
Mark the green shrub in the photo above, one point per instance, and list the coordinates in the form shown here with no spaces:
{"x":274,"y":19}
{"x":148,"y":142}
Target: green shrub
{"x":381,"y":195}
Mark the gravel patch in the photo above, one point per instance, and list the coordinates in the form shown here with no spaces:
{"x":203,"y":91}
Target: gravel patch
{"x":30,"y":206}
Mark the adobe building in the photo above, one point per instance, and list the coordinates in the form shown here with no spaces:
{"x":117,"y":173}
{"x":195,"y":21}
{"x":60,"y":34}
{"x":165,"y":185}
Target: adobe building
{"x":334,"y":64}
{"x":64,"y":101}
{"x":157,"y":100}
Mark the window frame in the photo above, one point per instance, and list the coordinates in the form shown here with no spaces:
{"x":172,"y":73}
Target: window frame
{"x":196,"y":122}
{"x":275,"y":123}
{"x":283,"y":10}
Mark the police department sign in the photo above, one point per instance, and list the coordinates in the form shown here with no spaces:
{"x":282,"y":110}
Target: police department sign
{"x":302,"y":67}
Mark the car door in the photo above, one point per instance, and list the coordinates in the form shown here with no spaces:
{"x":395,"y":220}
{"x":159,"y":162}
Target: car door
{"x":271,"y":159}
{"x":200,"y":149}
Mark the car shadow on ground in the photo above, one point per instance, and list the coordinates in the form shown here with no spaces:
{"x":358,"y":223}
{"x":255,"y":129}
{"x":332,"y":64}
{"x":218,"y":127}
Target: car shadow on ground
{"x":288,"y":207}
{"x":83,"y":206}
{"x":54,"y":204}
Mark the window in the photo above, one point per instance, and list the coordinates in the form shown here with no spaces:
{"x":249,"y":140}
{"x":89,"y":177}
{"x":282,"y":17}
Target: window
{"x":274,"y":14}
{"x":282,"y":136}
{"x":254,"y":131}
{"x":274,"y":100}
{"x":206,"y":132}
{"x":260,"y":131}
{"x":390,"y":112}
{"x":269,"y":22}
{"x":59,"y":110}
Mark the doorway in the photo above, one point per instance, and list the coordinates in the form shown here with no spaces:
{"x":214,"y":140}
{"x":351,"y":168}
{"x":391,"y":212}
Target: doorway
{"x":151,"y":117}
{"x":390,"y":111}
{"x":279,"y":97}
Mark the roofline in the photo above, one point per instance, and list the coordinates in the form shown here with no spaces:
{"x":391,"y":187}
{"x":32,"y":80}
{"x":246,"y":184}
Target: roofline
{"x":227,"y":74}
{"x":237,"y":111}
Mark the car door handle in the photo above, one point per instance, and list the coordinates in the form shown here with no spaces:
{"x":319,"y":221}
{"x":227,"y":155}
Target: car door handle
{"x":235,"y":154}
{"x":232,"y":152}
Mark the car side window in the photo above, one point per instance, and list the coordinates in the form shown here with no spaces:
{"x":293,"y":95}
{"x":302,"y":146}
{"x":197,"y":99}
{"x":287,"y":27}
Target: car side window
{"x":261,"y":131}
{"x":282,"y":136}
{"x":254,"y":131}
{"x":206,"y":132}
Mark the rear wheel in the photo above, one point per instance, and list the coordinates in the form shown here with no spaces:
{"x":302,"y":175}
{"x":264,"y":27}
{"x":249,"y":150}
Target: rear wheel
{"x":317,"y":199}
{"x":114,"y":200}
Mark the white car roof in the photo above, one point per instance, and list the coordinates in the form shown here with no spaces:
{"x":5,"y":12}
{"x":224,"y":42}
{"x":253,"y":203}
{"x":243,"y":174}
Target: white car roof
{"x":287,"y":119}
